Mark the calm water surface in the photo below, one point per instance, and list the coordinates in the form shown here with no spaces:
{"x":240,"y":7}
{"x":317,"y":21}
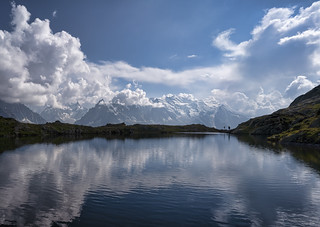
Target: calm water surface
{"x":211,"y":180}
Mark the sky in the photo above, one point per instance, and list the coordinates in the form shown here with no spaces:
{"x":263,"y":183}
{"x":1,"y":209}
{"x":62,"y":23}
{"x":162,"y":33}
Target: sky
{"x":254,"y":56}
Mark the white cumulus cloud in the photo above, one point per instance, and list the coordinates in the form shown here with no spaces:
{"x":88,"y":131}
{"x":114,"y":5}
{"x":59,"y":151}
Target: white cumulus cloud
{"x":299,"y":86}
{"x":39,"y":67}
{"x":132,"y":97}
{"x":283,"y":45}
{"x":223,"y":42}
{"x":258,"y":104}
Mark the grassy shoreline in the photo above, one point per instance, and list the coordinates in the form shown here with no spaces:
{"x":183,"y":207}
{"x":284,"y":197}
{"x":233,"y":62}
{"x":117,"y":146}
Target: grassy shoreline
{"x":9,"y":127}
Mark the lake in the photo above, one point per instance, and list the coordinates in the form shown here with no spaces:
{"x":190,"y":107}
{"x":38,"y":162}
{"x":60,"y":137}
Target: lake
{"x":215,"y":180}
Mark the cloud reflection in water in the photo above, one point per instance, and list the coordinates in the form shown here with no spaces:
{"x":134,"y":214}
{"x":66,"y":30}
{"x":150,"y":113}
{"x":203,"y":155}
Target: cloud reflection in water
{"x":45,"y":183}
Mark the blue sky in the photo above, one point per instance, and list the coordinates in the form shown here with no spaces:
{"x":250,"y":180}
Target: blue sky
{"x":247,"y":54}
{"x":151,"y":32}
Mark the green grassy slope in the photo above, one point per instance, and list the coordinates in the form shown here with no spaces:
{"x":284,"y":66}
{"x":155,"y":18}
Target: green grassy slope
{"x":12,"y":128}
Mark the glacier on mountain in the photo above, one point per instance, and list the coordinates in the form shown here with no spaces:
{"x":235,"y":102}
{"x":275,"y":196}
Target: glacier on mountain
{"x":69,"y":114}
{"x":169,"y":109}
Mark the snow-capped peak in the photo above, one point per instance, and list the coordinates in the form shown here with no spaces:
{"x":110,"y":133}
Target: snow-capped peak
{"x":69,"y":114}
{"x":175,"y":109}
{"x":101,"y":103}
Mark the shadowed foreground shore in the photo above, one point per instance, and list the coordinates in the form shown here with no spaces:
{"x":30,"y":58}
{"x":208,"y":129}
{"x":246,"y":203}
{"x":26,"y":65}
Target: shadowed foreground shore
{"x":11,"y":128}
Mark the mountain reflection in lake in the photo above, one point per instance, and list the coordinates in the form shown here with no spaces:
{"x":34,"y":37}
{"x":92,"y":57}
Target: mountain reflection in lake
{"x":184,"y":180}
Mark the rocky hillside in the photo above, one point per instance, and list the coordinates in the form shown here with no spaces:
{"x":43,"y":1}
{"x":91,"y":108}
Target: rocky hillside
{"x":299,"y":123}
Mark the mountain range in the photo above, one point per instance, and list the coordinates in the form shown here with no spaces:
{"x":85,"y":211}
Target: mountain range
{"x":69,"y":114}
{"x":20,"y":112}
{"x":170,"y":109}
{"x":179,"y":109}
{"x":298,"y":123}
